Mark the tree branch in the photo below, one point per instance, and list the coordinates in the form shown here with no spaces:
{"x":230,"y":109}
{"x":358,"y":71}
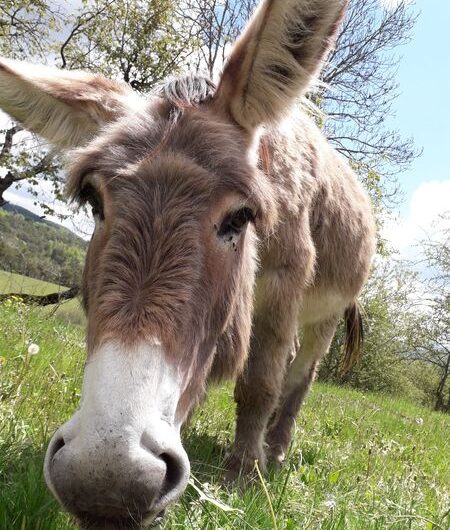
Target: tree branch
{"x":43,"y":300}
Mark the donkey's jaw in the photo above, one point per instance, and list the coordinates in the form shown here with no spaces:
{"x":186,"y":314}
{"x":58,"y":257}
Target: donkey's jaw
{"x":121,"y":456}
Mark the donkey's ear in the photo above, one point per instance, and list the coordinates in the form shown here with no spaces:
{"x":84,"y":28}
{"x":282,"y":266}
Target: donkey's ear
{"x":277,"y":57}
{"x":63,"y":107}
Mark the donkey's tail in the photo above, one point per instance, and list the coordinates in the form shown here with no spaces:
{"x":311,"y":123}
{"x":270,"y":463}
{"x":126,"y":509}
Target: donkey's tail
{"x":354,"y":336}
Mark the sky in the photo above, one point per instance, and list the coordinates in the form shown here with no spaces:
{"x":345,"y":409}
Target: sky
{"x":422,"y":111}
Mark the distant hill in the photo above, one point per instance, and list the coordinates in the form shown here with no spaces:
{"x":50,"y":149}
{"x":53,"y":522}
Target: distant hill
{"x":28,"y":214}
{"x":39,"y":248}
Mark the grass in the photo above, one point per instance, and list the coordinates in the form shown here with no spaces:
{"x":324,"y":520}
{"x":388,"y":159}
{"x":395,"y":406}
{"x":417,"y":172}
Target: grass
{"x":69,"y":311}
{"x":358,"y":461}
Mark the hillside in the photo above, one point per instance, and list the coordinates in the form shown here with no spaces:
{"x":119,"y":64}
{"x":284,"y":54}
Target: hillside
{"x":38,"y":248}
{"x":28,"y":214}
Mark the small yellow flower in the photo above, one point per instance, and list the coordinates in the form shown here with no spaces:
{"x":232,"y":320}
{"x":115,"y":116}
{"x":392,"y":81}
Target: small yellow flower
{"x":2,"y":361}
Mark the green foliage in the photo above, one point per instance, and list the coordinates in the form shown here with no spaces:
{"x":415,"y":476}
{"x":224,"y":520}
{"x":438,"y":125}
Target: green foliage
{"x":434,"y":329}
{"x":25,"y":162}
{"x":140,"y":42}
{"x":392,"y":322}
{"x":136,"y":41}
{"x":357,"y":460}
{"x":40,"y":250}
{"x":25,"y":26}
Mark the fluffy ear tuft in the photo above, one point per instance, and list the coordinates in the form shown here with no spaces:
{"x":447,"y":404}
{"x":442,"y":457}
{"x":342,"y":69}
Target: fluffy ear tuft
{"x":64,"y":107}
{"x":277,"y":57}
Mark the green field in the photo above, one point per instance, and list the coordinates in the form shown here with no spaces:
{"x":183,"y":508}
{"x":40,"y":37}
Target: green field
{"x":359,"y":461}
{"x":69,"y":311}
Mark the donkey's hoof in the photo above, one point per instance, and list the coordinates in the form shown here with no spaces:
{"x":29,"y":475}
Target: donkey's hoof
{"x":231,"y":477}
{"x":276,"y":457}
{"x":277,"y":444}
{"x":241,"y":468}
{"x":238,"y":479}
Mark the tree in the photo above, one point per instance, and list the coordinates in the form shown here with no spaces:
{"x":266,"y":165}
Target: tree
{"x":357,"y":90}
{"x":26,"y":29}
{"x":138,"y":41}
{"x":433,"y":328}
{"x":216,"y":25}
{"x":24,"y":159}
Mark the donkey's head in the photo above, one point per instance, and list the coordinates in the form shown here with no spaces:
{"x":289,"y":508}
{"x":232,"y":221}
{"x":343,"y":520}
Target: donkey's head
{"x":178,"y":201}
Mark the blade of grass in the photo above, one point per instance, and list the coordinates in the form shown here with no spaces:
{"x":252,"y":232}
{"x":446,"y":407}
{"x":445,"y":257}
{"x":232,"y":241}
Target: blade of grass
{"x":266,"y":492}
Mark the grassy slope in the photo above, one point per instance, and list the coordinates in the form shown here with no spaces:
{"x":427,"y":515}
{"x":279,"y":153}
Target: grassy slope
{"x":358,"y":461}
{"x":39,"y":249}
{"x":16,"y":283}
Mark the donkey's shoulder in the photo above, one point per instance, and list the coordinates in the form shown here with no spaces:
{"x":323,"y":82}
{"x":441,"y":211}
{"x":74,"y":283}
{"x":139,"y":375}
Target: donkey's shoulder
{"x":301,"y":162}
{"x":318,"y":191}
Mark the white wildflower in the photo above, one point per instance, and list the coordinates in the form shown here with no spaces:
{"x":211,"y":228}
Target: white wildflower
{"x":330,"y":503}
{"x":33,"y":349}
{"x":419,"y":421}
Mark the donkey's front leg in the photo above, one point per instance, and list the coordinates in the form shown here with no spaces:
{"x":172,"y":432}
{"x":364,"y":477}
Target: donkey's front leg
{"x":258,"y":389}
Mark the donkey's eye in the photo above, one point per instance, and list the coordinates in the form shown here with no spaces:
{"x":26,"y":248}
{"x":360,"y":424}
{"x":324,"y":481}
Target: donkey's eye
{"x":91,"y":196}
{"x":235,"y":222}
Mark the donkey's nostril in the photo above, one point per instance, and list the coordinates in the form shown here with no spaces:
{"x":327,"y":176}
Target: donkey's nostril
{"x":174,"y":473}
{"x":57,"y":444}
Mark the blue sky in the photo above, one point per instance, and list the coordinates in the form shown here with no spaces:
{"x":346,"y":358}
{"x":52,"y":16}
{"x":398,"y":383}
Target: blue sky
{"x":422,"y":111}
{"x":423,"y":107}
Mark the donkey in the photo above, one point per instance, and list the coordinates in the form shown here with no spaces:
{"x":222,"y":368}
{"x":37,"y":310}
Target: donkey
{"x":223,"y":222}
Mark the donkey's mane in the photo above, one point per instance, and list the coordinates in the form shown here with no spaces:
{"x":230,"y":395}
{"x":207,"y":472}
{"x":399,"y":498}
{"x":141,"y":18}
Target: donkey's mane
{"x":187,"y":91}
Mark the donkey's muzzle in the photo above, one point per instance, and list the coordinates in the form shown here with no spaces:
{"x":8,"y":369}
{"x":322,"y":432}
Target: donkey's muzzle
{"x":119,"y":461}
{"x":115,"y":483}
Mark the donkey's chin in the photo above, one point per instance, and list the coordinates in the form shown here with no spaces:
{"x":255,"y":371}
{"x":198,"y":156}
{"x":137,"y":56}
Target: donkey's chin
{"x":147,"y":521}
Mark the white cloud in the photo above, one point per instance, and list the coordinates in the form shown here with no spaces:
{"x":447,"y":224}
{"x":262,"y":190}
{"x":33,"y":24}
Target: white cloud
{"x":429,"y":201}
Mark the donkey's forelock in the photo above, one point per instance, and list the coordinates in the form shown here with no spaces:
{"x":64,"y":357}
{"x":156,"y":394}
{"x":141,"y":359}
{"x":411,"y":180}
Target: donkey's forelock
{"x":189,"y":90}
{"x":143,"y":129}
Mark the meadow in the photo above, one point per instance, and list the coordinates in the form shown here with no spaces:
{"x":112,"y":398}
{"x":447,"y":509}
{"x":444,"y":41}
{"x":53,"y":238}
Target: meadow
{"x":358,"y":461}
{"x":17,"y":283}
